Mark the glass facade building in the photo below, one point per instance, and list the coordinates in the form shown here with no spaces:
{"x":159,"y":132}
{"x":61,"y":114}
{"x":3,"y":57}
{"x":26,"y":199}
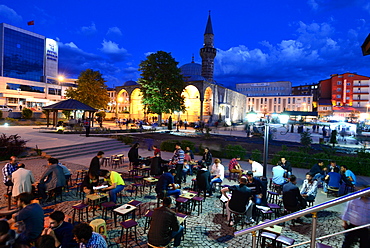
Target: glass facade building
{"x":22,"y":54}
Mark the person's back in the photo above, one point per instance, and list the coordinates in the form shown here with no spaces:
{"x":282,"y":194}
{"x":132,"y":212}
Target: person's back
{"x":292,"y":198}
{"x":54,"y":177}
{"x":164,"y":222}
{"x":240,"y":197}
{"x":164,"y":180}
{"x":278,"y":175}
{"x":203,"y":179}
{"x":22,"y":180}
{"x":334,"y":179}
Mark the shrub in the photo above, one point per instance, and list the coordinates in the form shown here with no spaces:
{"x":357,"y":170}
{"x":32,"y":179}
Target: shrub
{"x":235,"y":151}
{"x":256,"y":155}
{"x":12,"y":145}
{"x":185,"y":143}
{"x":168,"y":145}
{"x":27,"y":113}
{"x":126,"y":139}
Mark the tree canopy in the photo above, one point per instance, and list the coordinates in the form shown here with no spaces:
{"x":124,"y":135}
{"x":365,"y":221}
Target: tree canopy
{"x":91,"y":89}
{"x":161,"y":84}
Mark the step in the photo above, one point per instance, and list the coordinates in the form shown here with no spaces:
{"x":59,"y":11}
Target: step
{"x":84,"y":153}
{"x":93,"y":149}
{"x":92,"y":144}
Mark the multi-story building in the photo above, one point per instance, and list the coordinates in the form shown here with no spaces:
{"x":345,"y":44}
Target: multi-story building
{"x":29,"y":69}
{"x":264,"y":105}
{"x":265,"y":88}
{"x":347,"y":89}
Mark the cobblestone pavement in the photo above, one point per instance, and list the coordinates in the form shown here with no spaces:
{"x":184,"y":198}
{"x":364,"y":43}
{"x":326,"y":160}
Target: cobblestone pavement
{"x":209,"y":229}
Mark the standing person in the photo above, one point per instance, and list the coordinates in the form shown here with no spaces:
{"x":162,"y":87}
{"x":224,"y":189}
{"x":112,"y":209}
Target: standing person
{"x":95,"y":163}
{"x":60,"y":230}
{"x":22,"y":180}
{"x":86,"y":238}
{"x":356,"y":214}
{"x":347,"y":175}
{"x":164,"y":226}
{"x":133,"y":154}
{"x":32,"y":216}
{"x":309,"y":188}
{"x":286,"y":166}
{"x":8,"y":170}
{"x":257,"y":168}
{"x":240,"y":200}
{"x":292,"y":198}
{"x":87,"y":127}
{"x":52,"y":178}
{"x":178,"y":161}
{"x":218,"y":174}
{"x":234,"y":166}
{"x":115,"y":182}
{"x":203,"y":179}
{"x":207,"y":157}
{"x":185,"y":124}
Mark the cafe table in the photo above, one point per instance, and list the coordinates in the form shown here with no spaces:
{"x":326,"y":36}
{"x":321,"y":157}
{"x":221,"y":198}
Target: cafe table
{"x":150,"y":181}
{"x":95,"y":199}
{"x":124,"y":211}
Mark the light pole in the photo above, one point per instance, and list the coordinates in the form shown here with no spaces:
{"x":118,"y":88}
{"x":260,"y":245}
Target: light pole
{"x":252,"y":117}
{"x":367,"y":108}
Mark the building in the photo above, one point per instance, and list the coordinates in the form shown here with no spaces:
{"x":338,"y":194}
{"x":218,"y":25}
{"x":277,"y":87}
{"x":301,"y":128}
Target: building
{"x":347,"y":89}
{"x":204,"y":99}
{"x":308,"y":89}
{"x":265,"y":105}
{"x":265,"y":88}
{"x":29,"y":69}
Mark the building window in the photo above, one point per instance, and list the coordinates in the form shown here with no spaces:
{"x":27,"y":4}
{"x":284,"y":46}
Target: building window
{"x":309,"y":100}
{"x":349,"y":84}
{"x":348,"y":91}
{"x":279,"y":100}
{"x":28,"y":88}
{"x":338,"y":96}
{"x":304,"y":99}
{"x":339,"y":89}
{"x":289,"y":100}
{"x":339,"y":83}
{"x":293,"y":100}
{"x":347,"y":98}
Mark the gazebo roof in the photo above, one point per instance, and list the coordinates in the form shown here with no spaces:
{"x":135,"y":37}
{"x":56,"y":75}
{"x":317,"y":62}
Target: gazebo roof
{"x":70,"y":104}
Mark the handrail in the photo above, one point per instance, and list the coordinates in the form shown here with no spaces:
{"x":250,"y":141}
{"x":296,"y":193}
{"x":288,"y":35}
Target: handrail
{"x":303,"y":212}
{"x":330,"y":235}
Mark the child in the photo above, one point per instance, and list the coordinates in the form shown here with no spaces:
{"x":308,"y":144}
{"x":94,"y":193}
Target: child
{"x":185,"y":169}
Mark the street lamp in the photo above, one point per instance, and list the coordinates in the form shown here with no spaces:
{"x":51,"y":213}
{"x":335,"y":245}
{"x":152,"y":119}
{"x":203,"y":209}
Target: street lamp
{"x":252,"y":117}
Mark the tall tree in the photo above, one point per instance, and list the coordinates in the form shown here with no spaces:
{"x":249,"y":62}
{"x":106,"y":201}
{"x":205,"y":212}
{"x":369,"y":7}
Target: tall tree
{"x":91,"y":89}
{"x":161,"y":84}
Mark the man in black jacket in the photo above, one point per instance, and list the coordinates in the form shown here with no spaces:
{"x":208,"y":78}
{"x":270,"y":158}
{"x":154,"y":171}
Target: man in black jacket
{"x":95,"y":164}
{"x":286,"y":166}
{"x":164,"y":226}
{"x":203,"y":179}
{"x":52,"y":178}
{"x":292,"y":198}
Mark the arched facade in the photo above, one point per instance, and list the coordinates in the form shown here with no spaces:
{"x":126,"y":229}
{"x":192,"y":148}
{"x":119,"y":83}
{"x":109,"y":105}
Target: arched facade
{"x":136,"y":107}
{"x":123,"y":101}
{"x":208,"y":102}
{"x":192,"y":103}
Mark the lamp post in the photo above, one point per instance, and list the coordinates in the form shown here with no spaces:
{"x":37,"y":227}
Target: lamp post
{"x":252,"y":117}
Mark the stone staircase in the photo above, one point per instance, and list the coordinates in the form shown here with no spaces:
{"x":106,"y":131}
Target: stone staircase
{"x":77,"y":150}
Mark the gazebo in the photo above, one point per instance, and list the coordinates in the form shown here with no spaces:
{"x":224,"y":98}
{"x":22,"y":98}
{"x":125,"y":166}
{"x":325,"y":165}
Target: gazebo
{"x":71,"y":105}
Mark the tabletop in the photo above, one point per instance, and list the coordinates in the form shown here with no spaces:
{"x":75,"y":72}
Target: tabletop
{"x":125,"y":209}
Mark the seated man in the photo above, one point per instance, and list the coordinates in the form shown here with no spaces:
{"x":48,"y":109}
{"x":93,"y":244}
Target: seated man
{"x":278,"y":175}
{"x":286,"y":166}
{"x":52,"y":178}
{"x":164,"y":226}
{"x":115,"y":182}
{"x":348,"y":176}
{"x":32,"y":216}
{"x":234,"y":166}
{"x":166,"y":184}
{"x":334,"y":179}
{"x":309,"y":188}
{"x":203,"y":179}
{"x":90,"y":181}
{"x":318,"y":170}
{"x":8,"y":170}
{"x":257,"y":168}
{"x":292,"y":198}
{"x":66,"y":171}
{"x":85,"y":236}
{"x":256,"y":186}
{"x":22,"y":180}
{"x":218,"y":171}
{"x":60,"y":230}
{"x":240,"y":200}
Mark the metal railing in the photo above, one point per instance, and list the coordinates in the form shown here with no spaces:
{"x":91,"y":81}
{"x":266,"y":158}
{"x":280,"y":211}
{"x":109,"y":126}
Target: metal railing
{"x":312,"y":210}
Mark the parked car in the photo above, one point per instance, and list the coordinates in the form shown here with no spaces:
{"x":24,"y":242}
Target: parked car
{"x":5,"y":108}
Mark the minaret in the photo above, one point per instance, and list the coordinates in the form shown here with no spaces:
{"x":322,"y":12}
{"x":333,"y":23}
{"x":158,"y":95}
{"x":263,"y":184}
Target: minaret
{"x":208,"y":52}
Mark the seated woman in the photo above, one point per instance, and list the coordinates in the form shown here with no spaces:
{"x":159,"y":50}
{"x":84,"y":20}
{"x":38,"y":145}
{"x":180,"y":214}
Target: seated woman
{"x":218,"y":172}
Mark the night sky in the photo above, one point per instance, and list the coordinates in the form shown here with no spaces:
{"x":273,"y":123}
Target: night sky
{"x":302,"y":41}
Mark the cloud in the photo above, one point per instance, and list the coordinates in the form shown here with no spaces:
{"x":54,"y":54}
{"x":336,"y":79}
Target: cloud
{"x":336,"y":4}
{"x":316,"y":53}
{"x":112,"y":50}
{"x":114,"y":31}
{"x":9,"y":15}
{"x":89,"y":30}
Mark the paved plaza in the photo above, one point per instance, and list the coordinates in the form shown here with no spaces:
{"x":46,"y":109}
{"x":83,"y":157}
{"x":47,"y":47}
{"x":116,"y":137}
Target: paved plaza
{"x":209,"y":229}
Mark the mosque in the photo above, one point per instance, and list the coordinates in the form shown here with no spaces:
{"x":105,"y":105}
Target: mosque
{"x":205,"y":100}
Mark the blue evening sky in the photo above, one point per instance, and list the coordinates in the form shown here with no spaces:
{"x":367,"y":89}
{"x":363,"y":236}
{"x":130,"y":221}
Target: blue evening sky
{"x":302,"y":41}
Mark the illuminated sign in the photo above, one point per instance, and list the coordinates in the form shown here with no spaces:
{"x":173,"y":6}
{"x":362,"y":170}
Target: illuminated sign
{"x":51,"y":50}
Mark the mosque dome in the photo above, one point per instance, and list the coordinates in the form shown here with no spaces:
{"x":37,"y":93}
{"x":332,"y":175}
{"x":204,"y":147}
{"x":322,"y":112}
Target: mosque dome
{"x":191,"y":69}
{"x":130,"y":83}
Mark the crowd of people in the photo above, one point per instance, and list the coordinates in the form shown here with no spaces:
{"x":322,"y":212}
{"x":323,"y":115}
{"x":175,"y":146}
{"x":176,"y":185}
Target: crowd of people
{"x":244,"y":197}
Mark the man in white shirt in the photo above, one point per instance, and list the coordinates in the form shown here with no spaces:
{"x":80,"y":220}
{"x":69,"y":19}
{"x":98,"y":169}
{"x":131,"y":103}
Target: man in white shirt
{"x":257,"y":168}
